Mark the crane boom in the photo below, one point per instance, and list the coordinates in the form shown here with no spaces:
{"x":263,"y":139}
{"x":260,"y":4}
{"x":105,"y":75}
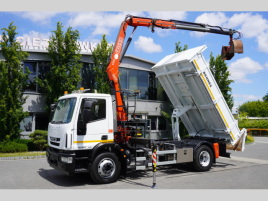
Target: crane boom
{"x":134,"y":21}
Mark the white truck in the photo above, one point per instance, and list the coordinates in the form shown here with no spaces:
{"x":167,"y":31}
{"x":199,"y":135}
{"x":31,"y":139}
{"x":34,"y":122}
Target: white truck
{"x":91,"y":133}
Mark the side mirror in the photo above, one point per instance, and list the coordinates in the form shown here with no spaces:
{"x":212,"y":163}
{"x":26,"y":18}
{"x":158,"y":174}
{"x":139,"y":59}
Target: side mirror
{"x":86,"y":113}
{"x":53,"y":107}
{"x":52,"y":110}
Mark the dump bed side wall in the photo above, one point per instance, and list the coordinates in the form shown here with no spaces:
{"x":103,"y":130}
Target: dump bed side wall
{"x":192,"y":89}
{"x":222,"y":109}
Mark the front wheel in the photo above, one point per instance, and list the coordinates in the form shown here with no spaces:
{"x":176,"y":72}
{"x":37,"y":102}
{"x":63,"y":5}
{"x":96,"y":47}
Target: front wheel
{"x":105,"y":168}
{"x":203,"y":158}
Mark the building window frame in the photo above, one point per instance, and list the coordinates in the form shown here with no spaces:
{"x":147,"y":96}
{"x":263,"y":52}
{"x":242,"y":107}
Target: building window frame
{"x":157,"y":121}
{"x":33,"y":123}
{"x":129,"y":80}
{"x":32,"y":77}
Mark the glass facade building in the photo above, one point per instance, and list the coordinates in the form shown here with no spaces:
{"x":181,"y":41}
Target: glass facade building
{"x":135,"y":74}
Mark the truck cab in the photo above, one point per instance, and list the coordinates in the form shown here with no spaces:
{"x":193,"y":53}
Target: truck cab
{"x":80,"y":121}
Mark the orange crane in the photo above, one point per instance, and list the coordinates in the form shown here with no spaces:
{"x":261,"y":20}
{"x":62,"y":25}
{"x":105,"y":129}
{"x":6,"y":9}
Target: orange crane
{"x":118,"y":52}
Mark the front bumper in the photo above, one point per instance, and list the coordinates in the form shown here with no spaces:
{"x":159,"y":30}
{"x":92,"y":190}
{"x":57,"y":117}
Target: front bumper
{"x":54,"y":159}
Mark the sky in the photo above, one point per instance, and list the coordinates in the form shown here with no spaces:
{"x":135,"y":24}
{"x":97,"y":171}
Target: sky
{"x":248,"y":70}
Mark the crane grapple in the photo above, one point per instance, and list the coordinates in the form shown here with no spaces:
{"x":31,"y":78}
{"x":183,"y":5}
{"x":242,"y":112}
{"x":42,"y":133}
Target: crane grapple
{"x":227,"y":52}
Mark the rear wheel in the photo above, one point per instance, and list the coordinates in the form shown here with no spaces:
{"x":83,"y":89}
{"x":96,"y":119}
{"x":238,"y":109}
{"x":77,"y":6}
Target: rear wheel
{"x":203,"y":158}
{"x":105,"y":168}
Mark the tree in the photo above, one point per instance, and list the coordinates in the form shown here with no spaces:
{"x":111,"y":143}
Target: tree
{"x":12,"y":82}
{"x":265,"y":98}
{"x":221,"y":74}
{"x":178,"y":48}
{"x":255,"y":108}
{"x":64,"y":74}
{"x":39,"y":139}
{"x":100,"y":56}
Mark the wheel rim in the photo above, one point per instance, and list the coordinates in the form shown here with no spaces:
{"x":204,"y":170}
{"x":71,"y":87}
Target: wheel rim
{"x":204,"y":158}
{"x":106,"y":168}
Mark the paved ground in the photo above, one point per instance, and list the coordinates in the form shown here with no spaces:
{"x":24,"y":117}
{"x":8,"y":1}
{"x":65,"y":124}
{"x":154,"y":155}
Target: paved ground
{"x":245,"y":170}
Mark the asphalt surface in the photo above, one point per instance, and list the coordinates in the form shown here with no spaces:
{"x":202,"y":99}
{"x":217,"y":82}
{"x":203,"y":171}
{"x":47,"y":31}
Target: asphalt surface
{"x":244,"y":170}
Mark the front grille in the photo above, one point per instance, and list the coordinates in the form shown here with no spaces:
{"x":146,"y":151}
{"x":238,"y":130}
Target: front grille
{"x":55,"y":143}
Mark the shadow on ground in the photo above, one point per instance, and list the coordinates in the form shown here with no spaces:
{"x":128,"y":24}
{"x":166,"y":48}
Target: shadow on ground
{"x":130,"y":177}
{"x":63,"y":180}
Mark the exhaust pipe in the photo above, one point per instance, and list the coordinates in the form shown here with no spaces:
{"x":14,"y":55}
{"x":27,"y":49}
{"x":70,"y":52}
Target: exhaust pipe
{"x":227,"y":52}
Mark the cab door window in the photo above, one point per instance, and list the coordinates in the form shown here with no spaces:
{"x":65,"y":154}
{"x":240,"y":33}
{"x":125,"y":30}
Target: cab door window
{"x":90,"y":110}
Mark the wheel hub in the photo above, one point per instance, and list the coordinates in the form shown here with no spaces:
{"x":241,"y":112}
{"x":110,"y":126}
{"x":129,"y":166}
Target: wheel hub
{"x":204,"y":158}
{"x":106,"y":168}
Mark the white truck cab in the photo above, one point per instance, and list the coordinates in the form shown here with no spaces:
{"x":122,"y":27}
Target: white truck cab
{"x":80,"y":121}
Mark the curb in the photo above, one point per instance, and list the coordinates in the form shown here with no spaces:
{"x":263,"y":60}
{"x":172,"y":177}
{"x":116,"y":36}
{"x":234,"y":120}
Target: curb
{"x":22,"y":157}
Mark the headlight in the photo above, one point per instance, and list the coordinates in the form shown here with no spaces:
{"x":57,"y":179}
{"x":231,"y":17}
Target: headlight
{"x":66,"y":159}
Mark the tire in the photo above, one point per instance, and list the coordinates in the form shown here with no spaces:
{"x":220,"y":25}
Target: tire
{"x":203,"y":158}
{"x":105,"y":168}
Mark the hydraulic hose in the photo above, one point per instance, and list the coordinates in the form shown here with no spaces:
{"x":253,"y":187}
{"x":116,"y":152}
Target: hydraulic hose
{"x":138,"y":148}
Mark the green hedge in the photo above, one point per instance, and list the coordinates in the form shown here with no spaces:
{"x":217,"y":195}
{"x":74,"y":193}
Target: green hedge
{"x":37,"y":142}
{"x":250,"y":123}
{"x":28,"y":142}
{"x":12,"y":147}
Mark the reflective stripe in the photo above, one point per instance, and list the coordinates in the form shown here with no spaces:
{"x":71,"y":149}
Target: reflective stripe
{"x":195,"y":63}
{"x":92,"y":141}
{"x":207,"y":86}
{"x":227,"y":125}
{"x":204,"y":81}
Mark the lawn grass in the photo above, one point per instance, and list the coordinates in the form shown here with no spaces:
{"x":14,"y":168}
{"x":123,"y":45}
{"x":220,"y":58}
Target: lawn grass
{"x":23,"y":154}
{"x":249,"y":139}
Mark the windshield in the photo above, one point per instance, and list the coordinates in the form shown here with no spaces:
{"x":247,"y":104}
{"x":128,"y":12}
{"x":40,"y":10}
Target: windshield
{"x":64,"y":111}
